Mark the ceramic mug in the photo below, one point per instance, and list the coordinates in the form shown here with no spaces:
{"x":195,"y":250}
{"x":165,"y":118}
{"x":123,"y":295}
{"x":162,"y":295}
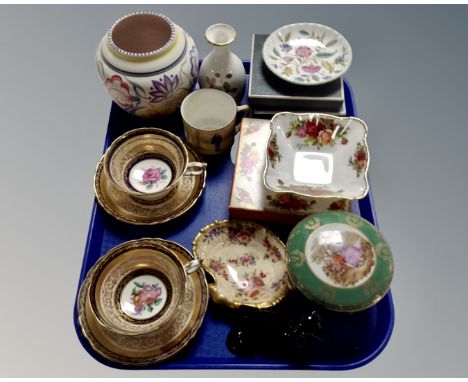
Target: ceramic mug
{"x":209,"y":117}
{"x":148,"y":163}
{"x":138,"y":287}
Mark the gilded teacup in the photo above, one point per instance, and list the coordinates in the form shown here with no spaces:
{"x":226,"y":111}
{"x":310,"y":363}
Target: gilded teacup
{"x":138,"y":287}
{"x":148,"y":163}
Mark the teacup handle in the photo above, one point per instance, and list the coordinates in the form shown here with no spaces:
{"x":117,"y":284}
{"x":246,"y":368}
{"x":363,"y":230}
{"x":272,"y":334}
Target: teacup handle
{"x":192,"y":266}
{"x":244,"y":108}
{"x":195,"y":168}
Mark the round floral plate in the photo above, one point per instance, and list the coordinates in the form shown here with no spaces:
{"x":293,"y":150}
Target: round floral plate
{"x":125,"y":208}
{"x":247,"y":262}
{"x":339,"y":260}
{"x":317,"y":155}
{"x":307,"y":54}
{"x":156,"y":346}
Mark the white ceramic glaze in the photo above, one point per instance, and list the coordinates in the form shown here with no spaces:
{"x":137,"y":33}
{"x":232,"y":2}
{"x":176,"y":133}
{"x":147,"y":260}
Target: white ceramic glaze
{"x":307,"y":53}
{"x":151,"y":83}
{"x":317,"y":155}
{"x":221,"y":69}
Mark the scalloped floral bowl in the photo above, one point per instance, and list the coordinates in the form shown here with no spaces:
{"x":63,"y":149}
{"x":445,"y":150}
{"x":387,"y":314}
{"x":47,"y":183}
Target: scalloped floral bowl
{"x":307,"y":54}
{"x":247,"y":262}
{"x":317,"y":155}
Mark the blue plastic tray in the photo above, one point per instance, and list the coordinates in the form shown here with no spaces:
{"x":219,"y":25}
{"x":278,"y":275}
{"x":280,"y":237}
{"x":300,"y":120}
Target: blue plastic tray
{"x":208,"y":349}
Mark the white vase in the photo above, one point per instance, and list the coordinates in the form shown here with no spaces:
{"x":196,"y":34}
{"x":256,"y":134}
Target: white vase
{"x":147,"y":64}
{"x":222,"y":69}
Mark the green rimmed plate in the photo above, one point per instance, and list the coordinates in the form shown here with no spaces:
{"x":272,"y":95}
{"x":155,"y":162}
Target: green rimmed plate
{"x":339,"y":260}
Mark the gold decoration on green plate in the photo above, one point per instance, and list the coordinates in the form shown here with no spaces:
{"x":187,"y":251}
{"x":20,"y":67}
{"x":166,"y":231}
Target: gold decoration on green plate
{"x":297,"y":258}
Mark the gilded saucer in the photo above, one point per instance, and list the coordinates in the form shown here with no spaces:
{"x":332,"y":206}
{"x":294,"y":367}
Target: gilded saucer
{"x":125,"y":208}
{"x":156,"y":346}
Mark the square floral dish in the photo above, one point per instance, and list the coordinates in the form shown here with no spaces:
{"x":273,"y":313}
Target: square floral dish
{"x":317,"y":155}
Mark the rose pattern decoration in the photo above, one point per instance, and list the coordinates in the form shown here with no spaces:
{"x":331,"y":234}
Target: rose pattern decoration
{"x":245,"y":262}
{"x":272,"y":252}
{"x":318,"y":132}
{"x":146,"y":297}
{"x":338,"y":205}
{"x":249,"y":158}
{"x":274,"y":156}
{"x":119,"y":91}
{"x":243,"y":196}
{"x":241,"y":233}
{"x":152,"y":176}
{"x":251,"y":285}
{"x":359,"y":160}
{"x":287,"y":201}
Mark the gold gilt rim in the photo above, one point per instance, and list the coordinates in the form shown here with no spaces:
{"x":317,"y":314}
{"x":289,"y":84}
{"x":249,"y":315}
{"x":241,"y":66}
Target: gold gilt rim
{"x":200,"y":303}
{"x":197,"y":191}
{"x":216,"y":295}
{"x":366,"y":130}
{"x":99,"y":270}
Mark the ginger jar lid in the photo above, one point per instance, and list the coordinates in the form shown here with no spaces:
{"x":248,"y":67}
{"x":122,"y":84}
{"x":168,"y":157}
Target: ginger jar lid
{"x":339,"y":260}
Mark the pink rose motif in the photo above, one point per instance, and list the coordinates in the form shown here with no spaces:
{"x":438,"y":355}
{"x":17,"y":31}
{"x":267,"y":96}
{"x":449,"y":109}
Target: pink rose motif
{"x":303,"y":51}
{"x":152,"y":175}
{"x":301,"y":132}
{"x":146,"y":296}
{"x":325,"y":137}
{"x":250,"y":284}
{"x":352,"y":255}
{"x":216,"y":265}
{"x":311,"y":68}
{"x":149,"y":294}
{"x":119,"y":91}
{"x":245,"y":260}
{"x":243,"y":237}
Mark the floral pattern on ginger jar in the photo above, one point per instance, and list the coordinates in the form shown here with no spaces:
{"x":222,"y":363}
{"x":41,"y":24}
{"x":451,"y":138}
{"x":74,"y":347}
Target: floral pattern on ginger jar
{"x":147,"y":64}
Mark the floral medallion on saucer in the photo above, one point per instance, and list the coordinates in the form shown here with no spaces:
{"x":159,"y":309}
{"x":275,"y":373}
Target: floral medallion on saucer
{"x":307,"y":54}
{"x":131,"y":210}
{"x":247,"y":262}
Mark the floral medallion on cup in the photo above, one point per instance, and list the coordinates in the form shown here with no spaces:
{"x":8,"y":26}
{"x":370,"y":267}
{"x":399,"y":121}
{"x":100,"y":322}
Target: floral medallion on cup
{"x":247,"y":262}
{"x":143,"y":297}
{"x":150,"y":175}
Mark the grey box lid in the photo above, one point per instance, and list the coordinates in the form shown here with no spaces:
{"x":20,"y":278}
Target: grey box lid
{"x":266,"y":90}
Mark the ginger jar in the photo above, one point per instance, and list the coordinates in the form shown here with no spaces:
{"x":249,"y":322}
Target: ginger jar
{"x":147,"y":64}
